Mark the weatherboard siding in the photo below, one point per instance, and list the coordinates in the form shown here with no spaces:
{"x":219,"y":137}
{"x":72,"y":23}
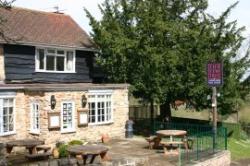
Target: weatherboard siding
{"x":20,"y":67}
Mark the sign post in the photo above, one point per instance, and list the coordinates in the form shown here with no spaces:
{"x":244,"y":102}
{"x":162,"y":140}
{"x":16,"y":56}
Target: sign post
{"x":214,"y":79}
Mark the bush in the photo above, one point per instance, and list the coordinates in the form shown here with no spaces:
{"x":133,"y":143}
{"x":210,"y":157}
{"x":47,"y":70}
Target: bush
{"x":59,"y":143}
{"x":75,"y":142}
{"x":63,"y":150}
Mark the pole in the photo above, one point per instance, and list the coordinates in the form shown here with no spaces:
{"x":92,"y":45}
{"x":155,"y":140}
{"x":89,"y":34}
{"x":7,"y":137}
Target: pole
{"x":214,"y":110}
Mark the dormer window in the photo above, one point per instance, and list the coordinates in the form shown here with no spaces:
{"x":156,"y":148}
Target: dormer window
{"x":55,"y":60}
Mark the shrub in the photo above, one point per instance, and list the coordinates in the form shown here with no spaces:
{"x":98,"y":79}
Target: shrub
{"x":63,"y":150}
{"x":75,"y":142}
{"x":59,"y":143}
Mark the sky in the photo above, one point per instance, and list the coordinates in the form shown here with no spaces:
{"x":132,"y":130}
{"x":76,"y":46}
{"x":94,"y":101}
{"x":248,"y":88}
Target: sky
{"x":74,"y":8}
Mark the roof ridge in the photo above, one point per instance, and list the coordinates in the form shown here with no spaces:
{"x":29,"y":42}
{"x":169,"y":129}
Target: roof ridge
{"x":37,"y":11}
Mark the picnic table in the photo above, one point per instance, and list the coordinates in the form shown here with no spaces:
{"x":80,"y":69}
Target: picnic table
{"x":29,"y":144}
{"x":171,"y":142}
{"x":172,"y":133}
{"x":88,"y":150}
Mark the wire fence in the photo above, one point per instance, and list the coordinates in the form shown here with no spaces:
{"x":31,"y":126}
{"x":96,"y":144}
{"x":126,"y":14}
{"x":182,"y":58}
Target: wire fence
{"x":202,"y":141}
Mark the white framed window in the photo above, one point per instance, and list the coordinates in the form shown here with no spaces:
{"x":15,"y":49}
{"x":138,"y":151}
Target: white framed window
{"x":67,"y":117}
{"x":7,"y":116}
{"x":35,"y":118}
{"x":100,"y":107}
{"x":55,"y":60}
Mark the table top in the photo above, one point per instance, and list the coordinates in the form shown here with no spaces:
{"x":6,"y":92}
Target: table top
{"x":25,"y":142}
{"x":171,"y":132}
{"x":87,"y":149}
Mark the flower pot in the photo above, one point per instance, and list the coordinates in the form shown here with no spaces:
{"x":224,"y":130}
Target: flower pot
{"x":55,"y":153}
{"x":105,"y":138}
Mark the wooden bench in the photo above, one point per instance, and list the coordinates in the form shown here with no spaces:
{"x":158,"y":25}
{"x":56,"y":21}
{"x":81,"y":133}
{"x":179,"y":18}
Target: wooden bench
{"x":38,"y":156}
{"x":43,"y":148}
{"x":190,"y":143}
{"x":153,"y":141}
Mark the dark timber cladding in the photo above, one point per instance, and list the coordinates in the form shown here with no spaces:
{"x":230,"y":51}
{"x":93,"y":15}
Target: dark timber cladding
{"x":20,"y":67}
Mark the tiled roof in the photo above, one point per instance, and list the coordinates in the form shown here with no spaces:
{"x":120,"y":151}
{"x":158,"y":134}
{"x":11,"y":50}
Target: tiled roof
{"x":32,"y":27}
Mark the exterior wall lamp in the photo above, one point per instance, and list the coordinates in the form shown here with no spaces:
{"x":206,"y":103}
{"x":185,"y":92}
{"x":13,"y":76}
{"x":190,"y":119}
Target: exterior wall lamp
{"x":84,"y":101}
{"x":52,"y":102}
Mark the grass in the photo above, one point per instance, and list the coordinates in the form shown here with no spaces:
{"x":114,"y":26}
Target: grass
{"x":240,"y":149}
{"x":190,"y":114}
{"x":244,"y":112}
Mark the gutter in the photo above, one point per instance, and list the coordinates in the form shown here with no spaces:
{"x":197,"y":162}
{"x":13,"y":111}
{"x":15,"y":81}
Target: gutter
{"x":53,"y":45}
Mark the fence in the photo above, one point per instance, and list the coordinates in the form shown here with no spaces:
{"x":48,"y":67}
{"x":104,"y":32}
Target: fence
{"x":233,"y":129}
{"x":142,"y":111}
{"x":192,"y":129}
{"x":202,"y":141}
{"x":204,"y":145}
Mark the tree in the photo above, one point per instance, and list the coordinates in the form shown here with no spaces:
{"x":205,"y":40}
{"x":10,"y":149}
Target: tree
{"x":161,"y":48}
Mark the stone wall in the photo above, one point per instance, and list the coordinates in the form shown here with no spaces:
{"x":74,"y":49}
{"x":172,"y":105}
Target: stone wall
{"x":221,"y":158}
{"x":2,"y":71}
{"x":23,"y":102}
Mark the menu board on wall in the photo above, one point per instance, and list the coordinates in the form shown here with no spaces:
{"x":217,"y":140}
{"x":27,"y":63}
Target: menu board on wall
{"x":82,"y":117}
{"x":54,"y":120}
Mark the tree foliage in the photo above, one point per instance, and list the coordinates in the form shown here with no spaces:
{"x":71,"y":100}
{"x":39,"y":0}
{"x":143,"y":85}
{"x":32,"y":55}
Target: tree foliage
{"x":161,"y":48}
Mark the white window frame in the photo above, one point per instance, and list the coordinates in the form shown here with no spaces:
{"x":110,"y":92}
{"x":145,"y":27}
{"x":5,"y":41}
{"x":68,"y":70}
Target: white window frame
{"x":96,"y":100}
{"x":14,"y":116}
{"x":32,"y":130}
{"x":37,"y":64}
{"x":68,"y":130}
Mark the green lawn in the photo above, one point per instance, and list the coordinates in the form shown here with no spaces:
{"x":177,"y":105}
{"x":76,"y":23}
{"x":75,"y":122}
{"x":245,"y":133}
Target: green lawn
{"x":240,"y":149}
{"x":244,"y":112}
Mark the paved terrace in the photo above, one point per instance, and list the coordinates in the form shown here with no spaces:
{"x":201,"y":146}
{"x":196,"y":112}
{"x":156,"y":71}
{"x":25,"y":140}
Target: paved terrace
{"x":126,"y":152}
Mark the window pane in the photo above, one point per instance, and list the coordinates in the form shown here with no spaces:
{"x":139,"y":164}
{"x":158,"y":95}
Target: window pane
{"x":99,"y":108}
{"x":5,"y":111}
{"x":67,"y":116}
{"x":69,"y":61}
{"x":10,"y":102}
{"x":100,"y":96}
{"x":60,"y":63}
{"x":50,"y":63}
{"x":5,"y":102}
{"x":7,"y":116}
{"x":41,"y":58}
{"x":50,"y":51}
{"x":10,"y":110}
{"x":35,"y":117}
{"x":61,"y":52}
{"x":11,"y":127}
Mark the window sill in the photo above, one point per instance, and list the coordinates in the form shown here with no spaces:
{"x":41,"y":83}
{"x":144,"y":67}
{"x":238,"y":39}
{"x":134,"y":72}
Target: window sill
{"x":63,"y":72}
{"x":35,"y":132}
{"x":101,"y":124}
{"x":7,"y":134}
{"x":68,"y":131}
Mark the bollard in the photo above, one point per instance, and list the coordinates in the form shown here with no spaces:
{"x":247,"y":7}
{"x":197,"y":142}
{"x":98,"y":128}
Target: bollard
{"x":129,"y":129}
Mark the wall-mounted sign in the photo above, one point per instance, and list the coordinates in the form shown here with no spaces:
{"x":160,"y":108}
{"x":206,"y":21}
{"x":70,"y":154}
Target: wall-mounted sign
{"x":54,"y":120}
{"x":82,"y":117}
{"x":214,"y":74}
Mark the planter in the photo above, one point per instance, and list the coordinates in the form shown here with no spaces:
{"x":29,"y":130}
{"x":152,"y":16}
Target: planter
{"x":105,"y":138}
{"x":55,"y":153}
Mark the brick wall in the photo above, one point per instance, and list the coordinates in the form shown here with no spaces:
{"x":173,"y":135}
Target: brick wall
{"x":23,"y":102}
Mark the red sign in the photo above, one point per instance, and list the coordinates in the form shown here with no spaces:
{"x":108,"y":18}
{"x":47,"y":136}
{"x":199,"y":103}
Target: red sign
{"x":214,"y":74}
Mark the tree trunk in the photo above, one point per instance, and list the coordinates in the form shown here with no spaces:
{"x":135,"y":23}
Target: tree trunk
{"x":165,"y":112}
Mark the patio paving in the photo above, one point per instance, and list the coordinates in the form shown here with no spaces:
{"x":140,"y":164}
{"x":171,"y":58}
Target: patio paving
{"x":123,"y":152}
